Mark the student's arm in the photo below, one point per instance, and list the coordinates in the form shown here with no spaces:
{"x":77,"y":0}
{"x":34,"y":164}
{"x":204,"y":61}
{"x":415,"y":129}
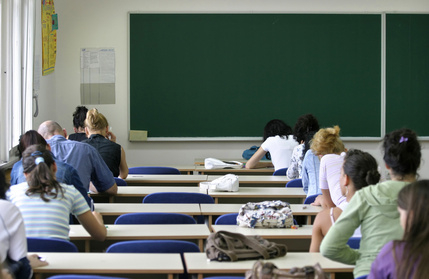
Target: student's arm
{"x":321,"y":226}
{"x":326,"y":199}
{"x":334,"y":245}
{"x":112,"y":191}
{"x":253,"y":162}
{"x":93,"y":224}
{"x":123,"y":166}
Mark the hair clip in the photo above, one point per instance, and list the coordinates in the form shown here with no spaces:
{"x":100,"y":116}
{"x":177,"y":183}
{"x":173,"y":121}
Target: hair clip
{"x":402,"y":139}
{"x":39,"y":160}
{"x":36,"y":153}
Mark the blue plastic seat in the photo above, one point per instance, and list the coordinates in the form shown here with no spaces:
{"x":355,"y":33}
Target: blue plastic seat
{"x":120,"y":182}
{"x":178,"y":197}
{"x":227,"y":219}
{"x":41,"y":244}
{"x":296,"y":183}
{"x":154,"y":218}
{"x":74,"y":276}
{"x":310,"y":199}
{"x":354,"y":242}
{"x":362,"y":277}
{"x":280,"y":172}
{"x":153,"y":170}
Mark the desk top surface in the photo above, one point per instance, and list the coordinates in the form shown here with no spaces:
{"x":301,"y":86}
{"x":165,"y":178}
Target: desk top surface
{"x":166,"y":178}
{"x":264,"y":179}
{"x":267,"y":171}
{"x":122,"y":208}
{"x":303,"y":232}
{"x":224,"y":208}
{"x":197,"y":263}
{"x":134,"y":232}
{"x":110,"y":263}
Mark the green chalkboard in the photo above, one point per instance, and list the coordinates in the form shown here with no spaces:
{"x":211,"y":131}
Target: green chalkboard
{"x":226,"y":75}
{"x":407,"y":72}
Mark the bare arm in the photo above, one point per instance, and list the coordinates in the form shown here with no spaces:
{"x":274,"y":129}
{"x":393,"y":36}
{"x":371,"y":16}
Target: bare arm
{"x":123,"y":166}
{"x":93,"y":224}
{"x":326,"y":199}
{"x":253,"y":163}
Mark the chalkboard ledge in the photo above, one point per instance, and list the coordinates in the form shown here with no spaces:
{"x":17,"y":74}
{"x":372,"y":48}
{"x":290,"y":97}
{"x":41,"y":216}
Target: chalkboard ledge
{"x":160,"y":139}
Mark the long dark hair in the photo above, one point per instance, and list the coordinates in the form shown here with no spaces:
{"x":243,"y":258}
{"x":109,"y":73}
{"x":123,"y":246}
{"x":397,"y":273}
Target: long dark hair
{"x":414,"y":199}
{"x":79,"y":117}
{"x":361,"y":167}
{"x":37,"y":162}
{"x":276,"y":127}
{"x":402,"y":152}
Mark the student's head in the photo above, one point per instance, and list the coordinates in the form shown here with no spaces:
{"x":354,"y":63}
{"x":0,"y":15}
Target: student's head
{"x":4,"y":186}
{"x":79,"y":116}
{"x":305,"y":124}
{"x":359,"y":170}
{"x":39,"y":170}
{"x":49,"y":129}
{"x":276,"y":127}
{"x":29,"y":138}
{"x":413,"y":207}
{"x":327,"y":141}
{"x":402,"y":152}
{"x":95,"y":121}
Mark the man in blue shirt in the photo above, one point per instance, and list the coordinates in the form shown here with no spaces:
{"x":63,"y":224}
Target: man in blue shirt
{"x":83,"y":157}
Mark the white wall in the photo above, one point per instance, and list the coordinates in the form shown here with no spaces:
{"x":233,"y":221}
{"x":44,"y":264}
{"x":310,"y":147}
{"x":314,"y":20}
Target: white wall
{"x":104,"y":23}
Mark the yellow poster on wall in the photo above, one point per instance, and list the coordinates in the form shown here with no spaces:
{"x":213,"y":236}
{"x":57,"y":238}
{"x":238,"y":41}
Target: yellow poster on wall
{"x":49,"y":36}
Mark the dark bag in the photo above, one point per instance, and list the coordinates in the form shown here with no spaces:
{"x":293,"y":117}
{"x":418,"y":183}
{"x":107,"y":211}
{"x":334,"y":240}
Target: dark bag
{"x":268,"y":270}
{"x":18,"y":269}
{"x":228,"y":246}
{"x":248,"y":153}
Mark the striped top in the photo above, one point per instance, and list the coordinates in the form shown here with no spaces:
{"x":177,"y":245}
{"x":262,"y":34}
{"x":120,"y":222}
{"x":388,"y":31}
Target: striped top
{"x":329,"y":177}
{"x":47,"y":219}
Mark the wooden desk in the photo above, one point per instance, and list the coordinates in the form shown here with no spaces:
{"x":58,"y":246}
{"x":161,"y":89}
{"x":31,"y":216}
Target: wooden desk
{"x":138,"y":232}
{"x":168,"y":180}
{"x":200,"y":161}
{"x":258,"y":180}
{"x":275,"y":193}
{"x":219,"y":209}
{"x":184,"y":169}
{"x":110,"y":263}
{"x":196,"y":263}
{"x":261,"y":171}
{"x":303,"y":232}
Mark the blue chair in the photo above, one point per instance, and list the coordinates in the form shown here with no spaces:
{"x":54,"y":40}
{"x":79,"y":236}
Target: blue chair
{"x":280,"y":172}
{"x":74,"y":276}
{"x":178,"y":197}
{"x":153,"y":170}
{"x":41,"y":244}
{"x":120,"y":182}
{"x":227,"y":219}
{"x":362,"y":277}
{"x":354,"y":242}
{"x":310,"y":199}
{"x":296,"y":183}
{"x":154,"y":218}
{"x":155,"y":246}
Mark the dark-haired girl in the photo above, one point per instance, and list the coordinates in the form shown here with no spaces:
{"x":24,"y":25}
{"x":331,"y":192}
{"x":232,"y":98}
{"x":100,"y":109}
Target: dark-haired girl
{"x":359,"y":170}
{"x":278,"y":140}
{"x":79,"y":116}
{"x":46,"y":204}
{"x":408,"y":258}
{"x":374,"y":207}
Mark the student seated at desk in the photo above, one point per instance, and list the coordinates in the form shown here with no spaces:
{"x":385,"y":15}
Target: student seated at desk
{"x":305,"y":125}
{"x":46,"y":204}
{"x":278,"y":140}
{"x":79,"y":124}
{"x":359,"y":170}
{"x":99,"y":136}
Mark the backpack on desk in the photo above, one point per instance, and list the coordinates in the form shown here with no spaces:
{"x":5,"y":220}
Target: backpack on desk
{"x":248,"y":153}
{"x":268,"y":214}
{"x":268,"y":270}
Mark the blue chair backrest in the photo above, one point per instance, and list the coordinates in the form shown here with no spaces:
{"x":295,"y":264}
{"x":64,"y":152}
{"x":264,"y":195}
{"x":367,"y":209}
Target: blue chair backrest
{"x":354,"y":242}
{"x":120,"y":182}
{"x":154,"y":218}
{"x":310,"y":199}
{"x":41,"y":244}
{"x":153,"y":170}
{"x":227,"y":219}
{"x":297,"y":183}
{"x":178,"y":197}
{"x":280,"y":172}
{"x":74,"y":276}
{"x":362,"y":277}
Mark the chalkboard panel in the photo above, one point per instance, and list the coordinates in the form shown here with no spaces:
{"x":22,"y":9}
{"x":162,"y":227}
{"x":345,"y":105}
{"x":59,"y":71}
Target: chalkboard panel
{"x":407,"y":72}
{"x":226,"y":75}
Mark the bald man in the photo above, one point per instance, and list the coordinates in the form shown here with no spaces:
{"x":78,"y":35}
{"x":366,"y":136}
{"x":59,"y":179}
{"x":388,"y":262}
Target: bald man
{"x":83,"y":157}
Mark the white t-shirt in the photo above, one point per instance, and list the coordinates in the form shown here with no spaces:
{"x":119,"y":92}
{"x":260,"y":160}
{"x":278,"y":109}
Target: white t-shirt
{"x":280,"y":149}
{"x":329,"y":177}
{"x":13,"y":241}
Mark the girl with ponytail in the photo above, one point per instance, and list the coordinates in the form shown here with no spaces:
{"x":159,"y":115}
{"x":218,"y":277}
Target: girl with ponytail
{"x":359,"y":170}
{"x":46,"y":204}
